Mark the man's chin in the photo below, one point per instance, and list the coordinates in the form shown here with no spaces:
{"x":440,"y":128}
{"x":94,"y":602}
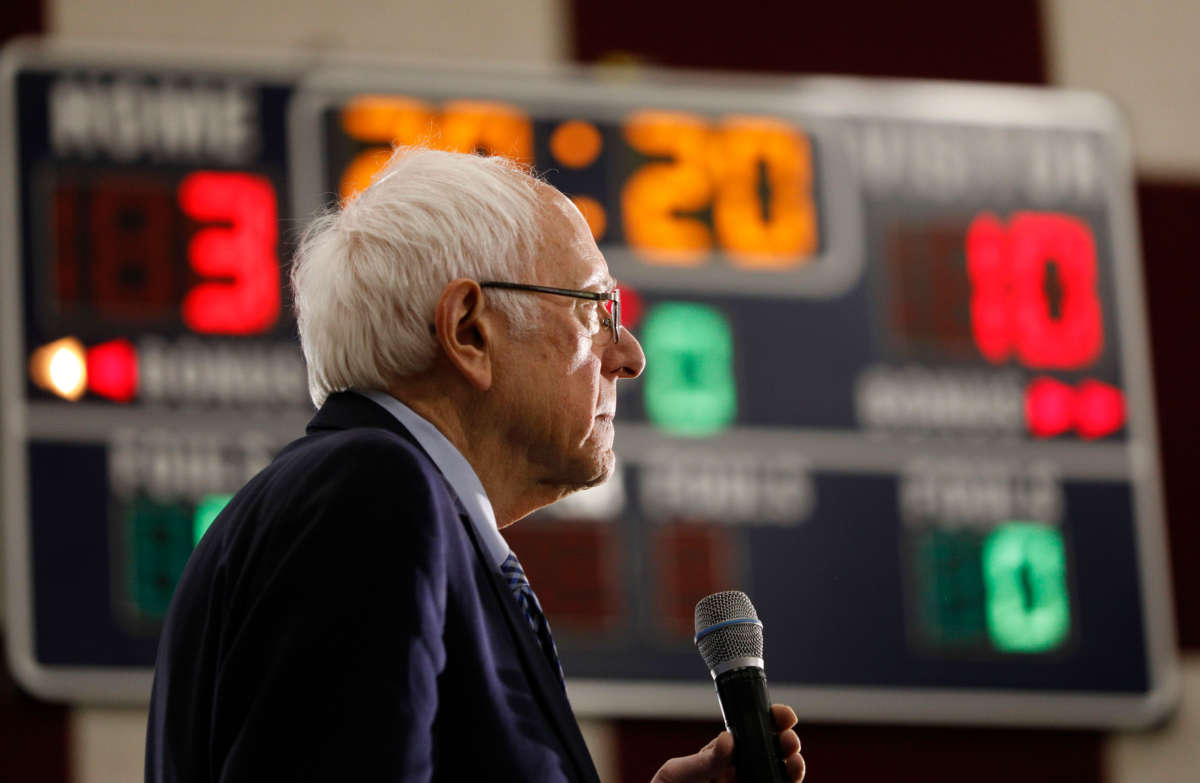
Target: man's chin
{"x":579,"y":474}
{"x":598,"y":472}
{"x":598,"y":480}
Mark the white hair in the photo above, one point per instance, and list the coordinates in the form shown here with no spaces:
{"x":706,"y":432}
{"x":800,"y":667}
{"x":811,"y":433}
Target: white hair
{"x":366,"y":278}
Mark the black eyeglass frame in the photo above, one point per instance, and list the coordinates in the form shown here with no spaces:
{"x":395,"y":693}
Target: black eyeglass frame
{"x":614,"y":296}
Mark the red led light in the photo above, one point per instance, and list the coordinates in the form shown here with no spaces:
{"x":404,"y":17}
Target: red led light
{"x":1099,"y":409}
{"x":1018,"y":305}
{"x":1049,"y":407}
{"x":112,"y":370}
{"x":1094,"y":409}
{"x":242,"y":252}
{"x":632,"y":306}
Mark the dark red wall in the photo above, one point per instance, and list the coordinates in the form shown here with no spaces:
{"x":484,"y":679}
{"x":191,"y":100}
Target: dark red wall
{"x":1170,"y":224}
{"x":935,"y":39}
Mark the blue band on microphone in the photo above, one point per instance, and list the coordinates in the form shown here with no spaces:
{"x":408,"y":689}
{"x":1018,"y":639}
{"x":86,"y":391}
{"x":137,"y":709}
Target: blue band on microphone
{"x":718,"y":626}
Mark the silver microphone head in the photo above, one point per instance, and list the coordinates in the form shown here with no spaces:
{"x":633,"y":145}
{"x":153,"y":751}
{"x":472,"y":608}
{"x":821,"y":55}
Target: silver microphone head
{"x":728,"y":631}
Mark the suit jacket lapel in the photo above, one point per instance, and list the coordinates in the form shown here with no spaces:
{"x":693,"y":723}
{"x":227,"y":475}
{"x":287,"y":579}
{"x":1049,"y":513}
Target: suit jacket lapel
{"x":546,"y":686}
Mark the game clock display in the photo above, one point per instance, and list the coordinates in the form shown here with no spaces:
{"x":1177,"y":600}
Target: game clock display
{"x":896,"y":391}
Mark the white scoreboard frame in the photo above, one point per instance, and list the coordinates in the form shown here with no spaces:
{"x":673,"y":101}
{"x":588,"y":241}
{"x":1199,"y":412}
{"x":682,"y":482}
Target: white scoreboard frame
{"x":320,"y":81}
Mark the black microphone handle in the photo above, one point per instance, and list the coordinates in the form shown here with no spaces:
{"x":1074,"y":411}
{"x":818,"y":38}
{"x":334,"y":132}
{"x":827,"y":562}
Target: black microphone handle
{"x":757,"y":756}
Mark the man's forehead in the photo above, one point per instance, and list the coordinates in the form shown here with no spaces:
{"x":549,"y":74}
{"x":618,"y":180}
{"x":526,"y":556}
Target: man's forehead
{"x":601,"y":279}
{"x":598,"y":277}
{"x":568,"y":240}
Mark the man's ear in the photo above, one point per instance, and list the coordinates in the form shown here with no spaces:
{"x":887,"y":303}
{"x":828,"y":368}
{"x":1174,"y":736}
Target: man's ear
{"x":463,"y":326}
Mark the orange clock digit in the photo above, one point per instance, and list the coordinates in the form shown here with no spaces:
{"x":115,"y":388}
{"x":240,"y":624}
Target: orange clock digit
{"x":385,"y":120}
{"x":653,"y":197}
{"x":782,"y":232}
{"x":462,"y":126}
{"x":487,"y":126}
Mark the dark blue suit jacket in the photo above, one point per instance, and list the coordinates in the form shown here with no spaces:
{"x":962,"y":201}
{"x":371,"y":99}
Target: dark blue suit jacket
{"x":340,"y":621}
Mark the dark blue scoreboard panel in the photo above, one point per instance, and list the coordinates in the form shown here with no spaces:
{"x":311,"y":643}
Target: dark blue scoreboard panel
{"x":897,"y":391}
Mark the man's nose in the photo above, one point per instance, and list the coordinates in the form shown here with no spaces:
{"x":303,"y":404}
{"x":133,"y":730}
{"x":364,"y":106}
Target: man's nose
{"x":626,"y":356}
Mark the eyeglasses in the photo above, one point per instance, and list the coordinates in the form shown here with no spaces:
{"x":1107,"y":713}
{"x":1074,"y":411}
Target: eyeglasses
{"x":609,"y":315}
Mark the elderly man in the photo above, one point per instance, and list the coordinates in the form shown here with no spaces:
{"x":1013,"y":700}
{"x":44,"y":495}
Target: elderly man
{"x":354,"y":613}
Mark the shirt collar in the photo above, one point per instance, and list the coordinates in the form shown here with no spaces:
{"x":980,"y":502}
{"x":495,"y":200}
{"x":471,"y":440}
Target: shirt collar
{"x":454,"y":466}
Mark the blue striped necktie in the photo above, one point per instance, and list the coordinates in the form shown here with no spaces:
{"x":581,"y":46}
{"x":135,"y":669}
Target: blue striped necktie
{"x":515,"y":575}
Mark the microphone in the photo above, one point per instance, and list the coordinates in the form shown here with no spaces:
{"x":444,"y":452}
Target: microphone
{"x":730,"y":637}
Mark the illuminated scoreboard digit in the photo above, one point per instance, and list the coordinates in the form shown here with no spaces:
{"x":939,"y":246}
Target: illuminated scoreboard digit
{"x":897,"y":386}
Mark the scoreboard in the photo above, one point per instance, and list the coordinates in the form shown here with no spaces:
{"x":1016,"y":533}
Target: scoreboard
{"x":897,"y":386}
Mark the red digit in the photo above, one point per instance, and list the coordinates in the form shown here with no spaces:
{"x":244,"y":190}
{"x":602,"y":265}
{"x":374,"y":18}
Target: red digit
{"x":988,"y":270}
{"x":66,"y":245}
{"x":1075,"y":337}
{"x":1010,"y":307}
{"x":243,"y":251}
{"x":131,"y":268}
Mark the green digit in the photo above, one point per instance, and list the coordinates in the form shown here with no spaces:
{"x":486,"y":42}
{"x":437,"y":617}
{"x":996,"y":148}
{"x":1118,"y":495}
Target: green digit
{"x":1025,"y":573}
{"x":160,"y":538}
{"x":689,"y":384}
{"x":951,"y":588}
{"x":206,"y":511}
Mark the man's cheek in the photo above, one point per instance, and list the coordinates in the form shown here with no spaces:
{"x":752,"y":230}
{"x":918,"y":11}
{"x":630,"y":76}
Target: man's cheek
{"x":584,"y":358}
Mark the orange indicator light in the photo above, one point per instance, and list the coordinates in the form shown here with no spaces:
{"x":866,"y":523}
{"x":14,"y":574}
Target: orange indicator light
{"x":576,"y":143}
{"x":59,"y":367}
{"x":593,"y":212}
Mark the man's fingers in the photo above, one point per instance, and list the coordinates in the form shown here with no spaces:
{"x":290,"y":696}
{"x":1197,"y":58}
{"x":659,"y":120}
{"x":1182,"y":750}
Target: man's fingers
{"x":789,"y":743}
{"x":715,"y":760}
{"x":712,"y":762}
{"x":795,"y":768}
{"x":784,"y":717}
{"x":722,"y":747}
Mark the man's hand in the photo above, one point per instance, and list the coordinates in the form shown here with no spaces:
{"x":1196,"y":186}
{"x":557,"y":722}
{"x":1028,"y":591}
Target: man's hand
{"x":714,"y":762}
